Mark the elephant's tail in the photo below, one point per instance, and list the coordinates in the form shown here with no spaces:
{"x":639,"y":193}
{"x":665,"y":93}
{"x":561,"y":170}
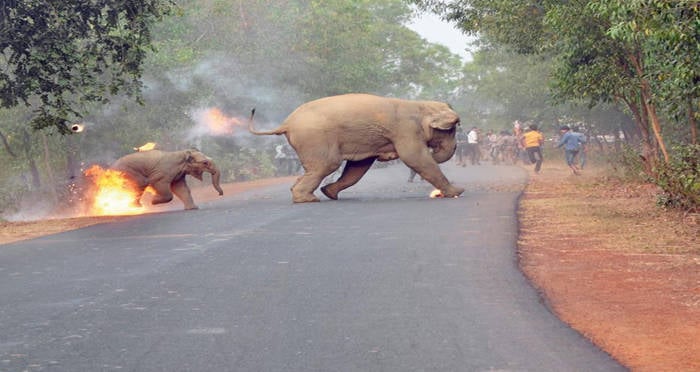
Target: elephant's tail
{"x":278,"y":131}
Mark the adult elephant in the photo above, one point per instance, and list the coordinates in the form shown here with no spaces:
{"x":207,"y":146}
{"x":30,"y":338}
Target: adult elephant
{"x":165,"y":172}
{"x":362,"y":128}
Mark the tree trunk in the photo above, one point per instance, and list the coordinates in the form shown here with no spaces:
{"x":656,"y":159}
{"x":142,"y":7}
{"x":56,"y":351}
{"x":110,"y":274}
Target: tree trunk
{"x":649,"y":154}
{"x":647,"y":102}
{"x":693,"y":123}
{"x":31,"y":163}
{"x":650,"y":108}
{"x":7,"y":145}
{"x":49,"y":170}
{"x":73,"y":158}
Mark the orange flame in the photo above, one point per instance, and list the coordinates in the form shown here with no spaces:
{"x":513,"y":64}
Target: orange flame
{"x":218,"y":124}
{"x":114,"y":193}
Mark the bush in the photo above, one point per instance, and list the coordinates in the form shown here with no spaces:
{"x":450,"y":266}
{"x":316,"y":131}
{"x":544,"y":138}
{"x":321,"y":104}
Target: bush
{"x":680,"y":179}
{"x":628,"y":164}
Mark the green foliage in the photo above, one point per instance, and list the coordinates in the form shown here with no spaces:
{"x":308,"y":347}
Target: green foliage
{"x":680,"y":179}
{"x":59,"y":55}
{"x":512,"y":83}
{"x":627,"y":164}
{"x":666,"y":32}
{"x":248,"y":164}
{"x":240,"y":159}
{"x":588,"y":64}
{"x":363,"y":46}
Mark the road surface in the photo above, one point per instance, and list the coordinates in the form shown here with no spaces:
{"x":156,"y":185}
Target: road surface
{"x":384,"y":279}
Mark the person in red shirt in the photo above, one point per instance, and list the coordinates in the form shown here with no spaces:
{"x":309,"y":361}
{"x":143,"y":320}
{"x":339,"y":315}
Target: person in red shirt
{"x":532,"y":141}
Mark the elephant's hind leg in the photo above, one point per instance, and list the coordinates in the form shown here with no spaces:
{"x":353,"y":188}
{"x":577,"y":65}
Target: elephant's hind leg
{"x":163,"y":193}
{"x":303,"y":189}
{"x":352,"y":173}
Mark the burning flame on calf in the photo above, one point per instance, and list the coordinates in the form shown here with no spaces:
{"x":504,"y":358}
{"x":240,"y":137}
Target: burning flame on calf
{"x":112,"y":193}
{"x":146,"y":147}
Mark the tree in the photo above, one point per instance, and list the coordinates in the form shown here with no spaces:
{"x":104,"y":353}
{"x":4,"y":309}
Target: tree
{"x":515,"y":23}
{"x":642,"y":54}
{"x":512,"y":84}
{"x":364,"y":46}
{"x":60,"y":55}
{"x":669,"y":34}
{"x":592,"y":66}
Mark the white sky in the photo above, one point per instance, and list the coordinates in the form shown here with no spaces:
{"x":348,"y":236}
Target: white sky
{"x":435,"y":30}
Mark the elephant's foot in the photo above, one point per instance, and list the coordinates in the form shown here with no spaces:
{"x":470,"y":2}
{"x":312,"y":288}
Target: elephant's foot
{"x":330,"y":191}
{"x":304,"y":198}
{"x":452,"y":191}
{"x":191,"y":207}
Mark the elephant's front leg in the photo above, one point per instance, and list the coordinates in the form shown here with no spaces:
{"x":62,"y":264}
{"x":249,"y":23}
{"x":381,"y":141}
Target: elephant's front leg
{"x":353,"y":171}
{"x":420,"y":160}
{"x":182,"y":191}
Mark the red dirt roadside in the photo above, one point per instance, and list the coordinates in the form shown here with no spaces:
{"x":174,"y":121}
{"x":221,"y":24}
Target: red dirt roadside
{"x":617,"y":268}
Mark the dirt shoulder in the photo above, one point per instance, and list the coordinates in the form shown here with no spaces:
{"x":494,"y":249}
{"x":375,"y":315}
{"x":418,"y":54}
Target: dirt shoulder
{"x":621,"y":271}
{"x":613,"y":265}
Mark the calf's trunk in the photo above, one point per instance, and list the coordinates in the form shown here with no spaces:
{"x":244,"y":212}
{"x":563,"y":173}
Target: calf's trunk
{"x":215,"y":178}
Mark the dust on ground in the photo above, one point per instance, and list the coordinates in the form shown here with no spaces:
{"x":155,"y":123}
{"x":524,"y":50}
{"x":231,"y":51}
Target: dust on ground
{"x":608,"y":261}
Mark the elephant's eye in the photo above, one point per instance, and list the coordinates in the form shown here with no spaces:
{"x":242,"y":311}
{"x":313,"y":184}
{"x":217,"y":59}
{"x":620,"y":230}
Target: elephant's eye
{"x":206,"y":163}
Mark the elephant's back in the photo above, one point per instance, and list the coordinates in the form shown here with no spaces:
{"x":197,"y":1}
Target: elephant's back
{"x":344,"y":108}
{"x":139,"y":156}
{"x":138,"y":162}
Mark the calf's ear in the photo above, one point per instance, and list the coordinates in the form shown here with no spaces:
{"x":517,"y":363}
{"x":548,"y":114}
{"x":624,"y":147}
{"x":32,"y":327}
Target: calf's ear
{"x":188,"y":156}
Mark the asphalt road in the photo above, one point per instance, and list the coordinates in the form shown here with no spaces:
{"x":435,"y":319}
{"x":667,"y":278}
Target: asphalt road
{"x":384,"y":279}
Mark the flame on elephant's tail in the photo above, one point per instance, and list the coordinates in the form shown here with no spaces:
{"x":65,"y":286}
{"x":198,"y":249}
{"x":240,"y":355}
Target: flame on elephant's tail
{"x":113,"y":194}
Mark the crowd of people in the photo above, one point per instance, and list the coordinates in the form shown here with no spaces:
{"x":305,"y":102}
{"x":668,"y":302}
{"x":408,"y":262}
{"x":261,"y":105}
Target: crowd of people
{"x":523,"y":143}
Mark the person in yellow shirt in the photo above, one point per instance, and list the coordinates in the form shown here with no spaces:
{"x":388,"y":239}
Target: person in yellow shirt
{"x":532,"y":141}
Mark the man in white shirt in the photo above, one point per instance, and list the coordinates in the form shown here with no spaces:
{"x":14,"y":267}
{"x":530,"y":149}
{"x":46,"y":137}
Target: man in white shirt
{"x":473,"y":146}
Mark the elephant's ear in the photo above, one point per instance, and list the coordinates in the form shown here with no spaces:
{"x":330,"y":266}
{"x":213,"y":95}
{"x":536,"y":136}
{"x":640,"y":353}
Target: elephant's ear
{"x":436,"y":121}
{"x":444,"y":120}
{"x":440,"y":124}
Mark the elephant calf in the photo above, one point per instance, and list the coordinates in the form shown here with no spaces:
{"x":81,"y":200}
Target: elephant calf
{"x":362,"y":128}
{"x":165,"y":172}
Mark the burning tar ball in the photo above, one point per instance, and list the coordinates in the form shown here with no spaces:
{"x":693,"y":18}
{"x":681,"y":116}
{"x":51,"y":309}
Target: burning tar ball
{"x":77,"y":128}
